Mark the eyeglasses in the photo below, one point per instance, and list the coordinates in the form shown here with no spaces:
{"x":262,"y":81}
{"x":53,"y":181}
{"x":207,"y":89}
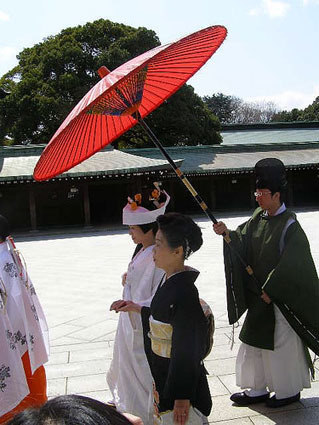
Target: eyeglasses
{"x":259,"y":193}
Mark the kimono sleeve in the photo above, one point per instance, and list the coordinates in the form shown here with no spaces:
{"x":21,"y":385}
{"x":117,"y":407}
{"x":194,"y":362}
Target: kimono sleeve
{"x":238,"y":282}
{"x":155,"y":277}
{"x":294,"y":280}
{"x":188,"y":344}
{"x":145,"y":317}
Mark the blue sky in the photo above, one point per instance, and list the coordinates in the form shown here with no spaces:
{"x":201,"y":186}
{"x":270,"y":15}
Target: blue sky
{"x":270,"y":53}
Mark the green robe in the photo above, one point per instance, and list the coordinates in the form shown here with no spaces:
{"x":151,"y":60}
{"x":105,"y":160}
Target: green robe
{"x":288,"y":277}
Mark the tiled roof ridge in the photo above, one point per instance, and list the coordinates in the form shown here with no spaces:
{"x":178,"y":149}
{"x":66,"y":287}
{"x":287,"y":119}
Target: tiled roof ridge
{"x":271,"y":125}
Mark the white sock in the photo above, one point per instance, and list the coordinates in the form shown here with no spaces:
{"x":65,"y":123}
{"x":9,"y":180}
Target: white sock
{"x":256,"y":393}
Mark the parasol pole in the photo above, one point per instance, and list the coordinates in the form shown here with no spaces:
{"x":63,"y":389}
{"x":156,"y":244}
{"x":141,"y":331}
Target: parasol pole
{"x":177,"y":170}
{"x":137,"y":116}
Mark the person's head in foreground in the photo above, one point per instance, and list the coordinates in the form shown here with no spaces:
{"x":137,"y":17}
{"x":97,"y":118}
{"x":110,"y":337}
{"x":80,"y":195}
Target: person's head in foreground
{"x":70,"y":410}
{"x":141,"y":211}
{"x":270,"y":184}
{"x":177,"y":237}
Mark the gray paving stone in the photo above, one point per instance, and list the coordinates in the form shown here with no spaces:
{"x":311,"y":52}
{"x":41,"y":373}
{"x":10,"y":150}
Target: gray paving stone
{"x":310,"y":396}
{"x":229,"y":381}
{"x":294,"y":417}
{"x":224,"y":351}
{"x":103,"y":396}
{"x":65,"y":340}
{"x":241,"y":421}
{"x":216,"y":386}
{"x":62,"y":330}
{"x":221,"y":366}
{"x":89,"y":367}
{"x":79,"y":277}
{"x":58,"y":358}
{"x":98,"y":330}
{"x":88,"y":383}
{"x":97,"y":353}
{"x":80,"y":346}
{"x":56,"y":387}
{"x":223,"y":410}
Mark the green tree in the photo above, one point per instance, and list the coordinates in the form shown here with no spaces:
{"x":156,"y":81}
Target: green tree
{"x":233,"y":110}
{"x":224,"y":106}
{"x":310,"y":113}
{"x":54,"y":75}
{"x":182,"y":120}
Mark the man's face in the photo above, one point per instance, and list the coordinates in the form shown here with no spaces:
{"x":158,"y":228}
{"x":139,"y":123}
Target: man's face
{"x":266,"y":200}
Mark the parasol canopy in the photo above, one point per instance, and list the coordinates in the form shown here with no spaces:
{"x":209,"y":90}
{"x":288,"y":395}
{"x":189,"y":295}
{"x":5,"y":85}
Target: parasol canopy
{"x":132,"y":90}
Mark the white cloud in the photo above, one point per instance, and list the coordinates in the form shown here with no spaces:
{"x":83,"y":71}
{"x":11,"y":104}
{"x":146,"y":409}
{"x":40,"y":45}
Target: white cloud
{"x":288,"y":100}
{"x":307,"y":2}
{"x":254,"y":12}
{"x":271,"y":8}
{"x":7,"y":53}
{"x":4,"y":16}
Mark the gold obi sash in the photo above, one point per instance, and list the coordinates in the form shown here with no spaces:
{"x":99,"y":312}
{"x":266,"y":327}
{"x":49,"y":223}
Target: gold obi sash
{"x":161,"y":337}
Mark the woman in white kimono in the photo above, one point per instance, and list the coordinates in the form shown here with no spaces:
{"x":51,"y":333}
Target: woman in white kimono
{"x":23,"y":334}
{"x":129,"y":377}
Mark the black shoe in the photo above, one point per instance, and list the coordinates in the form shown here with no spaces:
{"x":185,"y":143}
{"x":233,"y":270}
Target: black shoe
{"x":279,"y":402}
{"x":242,"y":399}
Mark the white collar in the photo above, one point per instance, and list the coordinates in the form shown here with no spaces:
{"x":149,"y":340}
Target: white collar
{"x":280,"y":210}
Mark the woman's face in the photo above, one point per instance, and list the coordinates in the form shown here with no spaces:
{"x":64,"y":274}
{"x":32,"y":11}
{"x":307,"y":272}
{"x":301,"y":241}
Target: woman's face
{"x":164,"y":256}
{"x":137,"y":234}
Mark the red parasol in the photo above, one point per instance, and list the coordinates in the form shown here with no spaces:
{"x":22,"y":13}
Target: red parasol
{"x":125,"y":96}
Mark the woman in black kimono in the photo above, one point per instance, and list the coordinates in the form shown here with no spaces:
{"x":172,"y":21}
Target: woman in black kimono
{"x":175,"y":327}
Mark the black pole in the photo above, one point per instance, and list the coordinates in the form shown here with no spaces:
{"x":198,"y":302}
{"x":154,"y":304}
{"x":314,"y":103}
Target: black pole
{"x":177,"y":170}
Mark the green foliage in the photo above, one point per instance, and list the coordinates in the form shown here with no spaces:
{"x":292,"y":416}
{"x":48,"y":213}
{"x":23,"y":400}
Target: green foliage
{"x":223,"y":106}
{"x":233,"y":110}
{"x":182,"y":120}
{"x":310,"y":113}
{"x":55,"y":74}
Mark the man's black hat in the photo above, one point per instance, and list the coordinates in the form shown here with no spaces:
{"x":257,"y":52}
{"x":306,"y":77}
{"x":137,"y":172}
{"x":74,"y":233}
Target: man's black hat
{"x":270,"y":174}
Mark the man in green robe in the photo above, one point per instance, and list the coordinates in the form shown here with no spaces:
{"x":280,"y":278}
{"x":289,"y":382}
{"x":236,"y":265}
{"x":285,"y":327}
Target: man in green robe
{"x":281,"y":297}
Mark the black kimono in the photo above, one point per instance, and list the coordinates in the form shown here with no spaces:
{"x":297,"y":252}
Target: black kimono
{"x":183,"y":375}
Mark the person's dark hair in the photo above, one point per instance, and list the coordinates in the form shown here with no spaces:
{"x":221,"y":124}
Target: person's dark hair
{"x":273,"y":189}
{"x":150,"y":226}
{"x":4,"y":228}
{"x":180,"y":230}
{"x":70,"y":410}
{"x":282,"y":193}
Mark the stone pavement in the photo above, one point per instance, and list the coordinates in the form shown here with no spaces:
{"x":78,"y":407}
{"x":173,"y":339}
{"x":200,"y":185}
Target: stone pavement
{"x":77,"y":276}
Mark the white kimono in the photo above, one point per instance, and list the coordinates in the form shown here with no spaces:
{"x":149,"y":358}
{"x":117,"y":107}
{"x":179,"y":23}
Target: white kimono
{"x":129,"y":376}
{"x":22,"y":328}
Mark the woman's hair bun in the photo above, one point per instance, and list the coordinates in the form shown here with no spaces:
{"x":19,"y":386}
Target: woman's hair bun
{"x":180,"y":230}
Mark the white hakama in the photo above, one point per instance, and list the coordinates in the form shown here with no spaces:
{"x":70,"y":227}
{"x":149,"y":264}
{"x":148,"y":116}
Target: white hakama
{"x":284,"y":370}
{"x":129,"y":377}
